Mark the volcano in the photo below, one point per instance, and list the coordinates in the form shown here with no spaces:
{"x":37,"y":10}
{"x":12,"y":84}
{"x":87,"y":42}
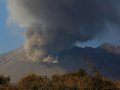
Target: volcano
{"x":103,"y":59}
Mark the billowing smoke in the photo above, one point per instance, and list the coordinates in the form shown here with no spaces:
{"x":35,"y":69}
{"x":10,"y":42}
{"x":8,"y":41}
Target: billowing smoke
{"x":55,"y":25}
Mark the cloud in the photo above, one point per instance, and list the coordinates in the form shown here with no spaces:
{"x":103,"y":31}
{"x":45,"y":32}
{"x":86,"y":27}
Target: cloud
{"x":55,"y":25}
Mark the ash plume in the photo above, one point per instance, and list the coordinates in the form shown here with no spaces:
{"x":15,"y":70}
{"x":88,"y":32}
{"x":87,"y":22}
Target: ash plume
{"x":55,"y":25}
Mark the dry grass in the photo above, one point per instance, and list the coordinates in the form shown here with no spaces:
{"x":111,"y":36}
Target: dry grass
{"x":71,"y":81}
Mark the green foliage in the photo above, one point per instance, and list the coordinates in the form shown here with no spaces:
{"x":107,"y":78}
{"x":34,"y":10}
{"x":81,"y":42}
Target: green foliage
{"x":4,"y":80}
{"x":81,"y":72}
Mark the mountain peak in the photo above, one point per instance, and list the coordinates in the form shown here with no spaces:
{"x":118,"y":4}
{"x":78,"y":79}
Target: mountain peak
{"x":111,"y":48}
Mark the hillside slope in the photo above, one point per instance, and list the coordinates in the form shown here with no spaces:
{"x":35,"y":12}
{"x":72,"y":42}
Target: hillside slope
{"x":17,"y":65}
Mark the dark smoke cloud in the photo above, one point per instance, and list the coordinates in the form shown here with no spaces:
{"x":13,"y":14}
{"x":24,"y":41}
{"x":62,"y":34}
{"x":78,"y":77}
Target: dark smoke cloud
{"x":54,"y":25}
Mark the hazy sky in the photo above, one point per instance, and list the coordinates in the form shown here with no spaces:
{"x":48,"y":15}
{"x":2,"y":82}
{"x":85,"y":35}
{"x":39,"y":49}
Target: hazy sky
{"x":9,"y":37}
{"x":12,"y":37}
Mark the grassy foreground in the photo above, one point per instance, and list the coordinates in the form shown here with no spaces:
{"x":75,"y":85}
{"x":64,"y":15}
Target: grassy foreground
{"x":79,"y":80}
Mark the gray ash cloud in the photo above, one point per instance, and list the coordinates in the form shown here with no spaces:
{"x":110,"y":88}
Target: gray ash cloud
{"x":54,"y":25}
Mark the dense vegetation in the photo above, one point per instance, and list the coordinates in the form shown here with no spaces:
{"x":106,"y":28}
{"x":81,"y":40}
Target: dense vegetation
{"x":71,"y":81}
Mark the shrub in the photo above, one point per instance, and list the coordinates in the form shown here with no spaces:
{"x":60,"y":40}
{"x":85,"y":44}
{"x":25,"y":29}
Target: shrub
{"x":4,"y":80}
{"x":71,"y":81}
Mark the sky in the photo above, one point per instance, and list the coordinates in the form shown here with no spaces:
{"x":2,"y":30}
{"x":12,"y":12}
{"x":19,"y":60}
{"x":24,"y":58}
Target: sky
{"x":10,"y":38}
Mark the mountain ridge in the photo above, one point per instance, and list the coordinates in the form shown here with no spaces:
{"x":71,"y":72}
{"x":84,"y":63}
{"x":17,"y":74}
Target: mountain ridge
{"x":111,"y":48}
{"x":16,"y":64}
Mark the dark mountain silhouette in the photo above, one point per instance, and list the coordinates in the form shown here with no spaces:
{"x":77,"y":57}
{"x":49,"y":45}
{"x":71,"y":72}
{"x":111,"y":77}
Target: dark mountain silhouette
{"x":111,"y":48}
{"x":107,"y":62}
